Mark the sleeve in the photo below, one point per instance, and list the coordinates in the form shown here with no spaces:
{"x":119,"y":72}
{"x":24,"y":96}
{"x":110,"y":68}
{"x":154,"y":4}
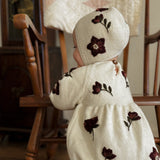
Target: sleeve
{"x":68,"y":91}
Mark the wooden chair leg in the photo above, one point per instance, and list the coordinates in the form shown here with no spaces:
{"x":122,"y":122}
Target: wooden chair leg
{"x":34,"y":140}
{"x":157,"y":109}
{"x":51,"y":150}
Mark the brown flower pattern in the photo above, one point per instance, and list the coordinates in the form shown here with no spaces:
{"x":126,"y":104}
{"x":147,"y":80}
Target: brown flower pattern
{"x":68,"y":74}
{"x":154,"y":155}
{"x":90,"y":124}
{"x":108,"y":153}
{"x":125,"y":77}
{"x":100,"y":19}
{"x":97,"y":88}
{"x":56,"y":89}
{"x":132,"y":116}
{"x":102,"y":9}
{"x":96,"y":46}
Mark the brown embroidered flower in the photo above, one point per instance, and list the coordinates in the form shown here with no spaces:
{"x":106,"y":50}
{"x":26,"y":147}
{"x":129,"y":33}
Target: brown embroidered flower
{"x":90,"y":124}
{"x":125,"y":77}
{"x":96,"y":46}
{"x":100,"y":19}
{"x":68,"y":74}
{"x":154,"y":155}
{"x":132,"y":116}
{"x":72,"y":69}
{"x":56,"y":89}
{"x":102,"y":9}
{"x":97,"y":19}
{"x":108,"y":154}
{"x":96,"y":88}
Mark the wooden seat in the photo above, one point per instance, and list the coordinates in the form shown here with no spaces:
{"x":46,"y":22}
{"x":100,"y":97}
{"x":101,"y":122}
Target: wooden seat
{"x":36,"y":53}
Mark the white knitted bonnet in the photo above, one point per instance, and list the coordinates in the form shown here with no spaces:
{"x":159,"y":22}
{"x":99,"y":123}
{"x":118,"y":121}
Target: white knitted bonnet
{"x":101,"y":35}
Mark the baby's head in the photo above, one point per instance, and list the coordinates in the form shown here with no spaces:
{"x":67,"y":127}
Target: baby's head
{"x":101,"y":35}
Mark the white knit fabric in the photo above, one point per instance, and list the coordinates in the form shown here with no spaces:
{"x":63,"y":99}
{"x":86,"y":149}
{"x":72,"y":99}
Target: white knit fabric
{"x":110,"y":106}
{"x":115,"y":37}
{"x":64,"y":14}
{"x":106,"y":123}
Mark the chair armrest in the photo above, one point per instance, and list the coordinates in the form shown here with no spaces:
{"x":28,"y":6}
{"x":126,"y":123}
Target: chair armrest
{"x":152,"y":38}
{"x":147,"y":100}
{"x":35,"y":101}
{"x":22,"y":21}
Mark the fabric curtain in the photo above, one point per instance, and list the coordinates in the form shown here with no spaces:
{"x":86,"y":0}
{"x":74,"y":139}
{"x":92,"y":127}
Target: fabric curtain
{"x":64,"y":14}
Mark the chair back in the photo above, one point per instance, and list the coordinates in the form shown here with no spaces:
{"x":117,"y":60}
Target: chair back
{"x":148,"y":68}
{"x":36,"y":50}
{"x":150,"y":39}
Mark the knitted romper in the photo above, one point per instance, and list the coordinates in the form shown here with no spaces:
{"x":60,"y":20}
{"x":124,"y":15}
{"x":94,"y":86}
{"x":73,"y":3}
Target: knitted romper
{"x":106,"y":123}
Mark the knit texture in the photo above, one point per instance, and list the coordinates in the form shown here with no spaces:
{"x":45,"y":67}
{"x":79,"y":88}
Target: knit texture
{"x":64,"y":14}
{"x":107,"y":25}
{"x":106,"y":122}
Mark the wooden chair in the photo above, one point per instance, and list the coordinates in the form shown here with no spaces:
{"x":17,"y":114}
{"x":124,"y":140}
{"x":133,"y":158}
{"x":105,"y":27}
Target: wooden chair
{"x":36,"y":53}
{"x":38,"y":68}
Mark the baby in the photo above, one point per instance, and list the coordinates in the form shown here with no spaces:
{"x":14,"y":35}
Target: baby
{"x":106,"y":123}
